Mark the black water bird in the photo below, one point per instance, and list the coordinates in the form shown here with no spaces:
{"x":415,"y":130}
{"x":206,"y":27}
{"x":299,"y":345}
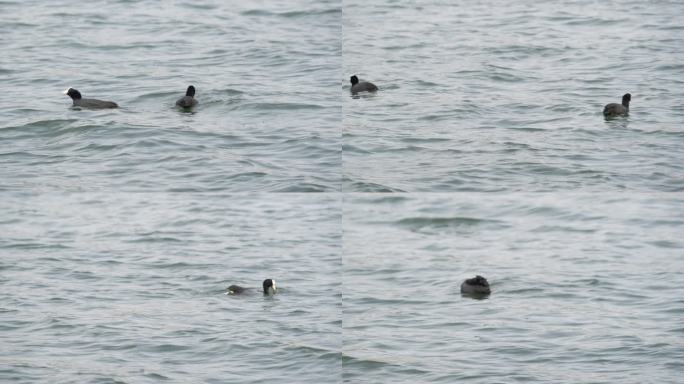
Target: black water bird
{"x":362,"y":86}
{"x":615,"y":109}
{"x":187,"y":101}
{"x":79,"y":101}
{"x":478,"y":285}
{"x":268,"y":287}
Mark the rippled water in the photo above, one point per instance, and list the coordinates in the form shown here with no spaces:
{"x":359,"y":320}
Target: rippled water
{"x":120,"y":230}
{"x":265,"y":73}
{"x":130,"y":288}
{"x":500,"y":96}
{"x":585,"y":288}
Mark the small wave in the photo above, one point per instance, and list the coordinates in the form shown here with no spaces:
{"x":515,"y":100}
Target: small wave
{"x":666,"y":244}
{"x":292,"y":14}
{"x":29,"y":245}
{"x":594,"y":21}
{"x":671,"y":67}
{"x":304,"y":187}
{"x":320,"y":352}
{"x":365,"y":364}
{"x":351,"y":361}
{"x":425,"y":83}
{"x":198,"y":5}
{"x":157,"y":95}
{"x":177,"y":264}
{"x":348,"y":148}
{"x":563,"y":229}
{"x":436,"y":117}
{"x":434,"y":223}
{"x":526,"y":291}
{"x":417,"y":140}
{"x":247,"y":175}
{"x":165,"y":348}
{"x":409,"y":148}
{"x":282,"y":106}
{"x":389,"y":199}
{"x":230,"y":91}
{"x":44,"y":124}
{"x":156,"y":376}
{"x":360,"y":186}
{"x":155,"y":237}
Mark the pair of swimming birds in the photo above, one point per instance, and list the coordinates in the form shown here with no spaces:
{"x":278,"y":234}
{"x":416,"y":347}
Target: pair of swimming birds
{"x":187,"y":101}
{"x":478,"y":285}
{"x":610,"y":110}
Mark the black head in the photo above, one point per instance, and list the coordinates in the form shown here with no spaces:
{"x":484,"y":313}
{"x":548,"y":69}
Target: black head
{"x":354,"y":80}
{"x":626,"y":99}
{"x":74,"y":94}
{"x":478,"y":280}
{"x":190,"y":92}
{"x":269,"y":286}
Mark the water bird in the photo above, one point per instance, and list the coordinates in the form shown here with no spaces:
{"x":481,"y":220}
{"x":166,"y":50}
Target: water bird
{"x":88,"y":103}
{"x":187,"y":101}
{"x":615,"y":109}
{"x":363,"y":86}
{"x":268,"y":286}
{"x":478,"y":285}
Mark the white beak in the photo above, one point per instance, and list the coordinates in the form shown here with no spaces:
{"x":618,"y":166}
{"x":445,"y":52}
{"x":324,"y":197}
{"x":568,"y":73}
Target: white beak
{"x":66,"y":91}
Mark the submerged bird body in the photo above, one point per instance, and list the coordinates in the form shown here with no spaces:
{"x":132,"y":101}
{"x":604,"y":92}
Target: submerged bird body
{"x":235,"y":289}
{"x":268,"y":286}
{"x":615,"y":109}
{"x":478,"y":285}
{"x":79,"y":101}
{"x":187,"y":101}
{"x":362,"y":86}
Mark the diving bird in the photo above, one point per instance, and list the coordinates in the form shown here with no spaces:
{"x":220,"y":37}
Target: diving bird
{"x":478,"y":285}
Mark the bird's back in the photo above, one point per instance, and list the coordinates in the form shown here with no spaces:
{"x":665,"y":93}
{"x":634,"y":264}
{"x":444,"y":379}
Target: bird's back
{"x":364,"y":86}
{"x":186,"y":102}
{"x":235,"y":289}
{"x":94,"y":103}
{"x":614,"y":109}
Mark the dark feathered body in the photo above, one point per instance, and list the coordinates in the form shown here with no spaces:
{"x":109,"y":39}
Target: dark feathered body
{"x":235,"y":289}
{"x":79,"y":101}
{"x":362,"y":86}
{"x":476,"y":285}
{"x":615,"y":109}
{"x":187,"y":101}
{"x":268,"y":287}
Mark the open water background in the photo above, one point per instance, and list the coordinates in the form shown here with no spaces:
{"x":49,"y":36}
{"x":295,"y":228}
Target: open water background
{"x":265,"y":73}
{"x":586,"y":288}
{"x":131,"y":288}
{"x":121,"y":229}
{"x":508,"y":96}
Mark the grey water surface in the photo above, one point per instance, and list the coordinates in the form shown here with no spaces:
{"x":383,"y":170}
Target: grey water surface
{"x":265,"y":72}
{"x":121,"y":229}
{"x":508,"y":96}
{"x":586,"y":288}
{"x":130,"y":288}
